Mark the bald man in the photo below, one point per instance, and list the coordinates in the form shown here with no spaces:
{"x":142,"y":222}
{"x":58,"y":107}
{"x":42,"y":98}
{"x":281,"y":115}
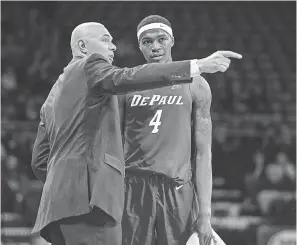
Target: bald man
{"x":78,"y":151}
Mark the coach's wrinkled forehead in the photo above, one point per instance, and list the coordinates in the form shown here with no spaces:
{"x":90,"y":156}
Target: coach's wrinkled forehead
{"x":86,"y":30}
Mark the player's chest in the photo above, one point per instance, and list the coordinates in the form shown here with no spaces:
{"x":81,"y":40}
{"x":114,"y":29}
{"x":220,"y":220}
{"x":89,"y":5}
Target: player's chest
{"x":173,"y":97}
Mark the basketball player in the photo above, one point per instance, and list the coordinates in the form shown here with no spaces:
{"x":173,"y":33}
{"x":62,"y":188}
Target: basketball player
{"x":157,"y":126}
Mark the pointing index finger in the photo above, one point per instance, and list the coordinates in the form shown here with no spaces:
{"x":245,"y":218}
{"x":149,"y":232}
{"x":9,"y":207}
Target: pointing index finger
{"x":231,"y":54}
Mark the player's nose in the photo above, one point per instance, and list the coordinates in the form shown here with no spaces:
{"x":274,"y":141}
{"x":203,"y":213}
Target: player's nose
{"x":155,"y":46}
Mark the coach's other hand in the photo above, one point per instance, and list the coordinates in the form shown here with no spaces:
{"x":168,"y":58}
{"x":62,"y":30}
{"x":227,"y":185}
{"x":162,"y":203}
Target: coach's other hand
{"x":218,"y":61}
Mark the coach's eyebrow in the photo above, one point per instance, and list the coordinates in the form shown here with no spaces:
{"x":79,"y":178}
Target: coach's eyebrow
{"x":106,"y":35}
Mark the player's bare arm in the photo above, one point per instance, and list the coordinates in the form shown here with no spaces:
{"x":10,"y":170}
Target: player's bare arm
{"x":202,"y":97}
{"x":203,"y":137}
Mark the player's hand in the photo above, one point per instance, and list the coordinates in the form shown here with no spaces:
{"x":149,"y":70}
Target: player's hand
{"x":204,"y":230}
{"x":218,"y":61}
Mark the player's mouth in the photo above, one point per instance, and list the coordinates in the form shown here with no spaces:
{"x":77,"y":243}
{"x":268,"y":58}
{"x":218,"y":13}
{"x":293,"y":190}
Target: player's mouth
{"x":157,"y":56}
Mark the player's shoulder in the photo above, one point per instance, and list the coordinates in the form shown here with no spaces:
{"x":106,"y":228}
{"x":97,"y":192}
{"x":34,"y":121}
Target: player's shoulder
{"x":200,"y":88}
{"x":200,"y":83}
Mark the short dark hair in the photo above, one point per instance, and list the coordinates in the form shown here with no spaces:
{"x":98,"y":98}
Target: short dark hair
{"x":153,"y":19}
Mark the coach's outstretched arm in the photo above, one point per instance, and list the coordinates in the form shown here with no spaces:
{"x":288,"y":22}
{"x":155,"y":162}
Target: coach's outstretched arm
{"x":202,"y":97}
{"x":107,"y":78}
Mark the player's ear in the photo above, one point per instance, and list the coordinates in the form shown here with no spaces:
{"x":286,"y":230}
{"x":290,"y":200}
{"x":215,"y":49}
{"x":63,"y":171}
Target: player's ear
{"x":82,"y":46}
{"x":173,"y":41}
{"x":141,"y":49}
{"x":140,"y":46}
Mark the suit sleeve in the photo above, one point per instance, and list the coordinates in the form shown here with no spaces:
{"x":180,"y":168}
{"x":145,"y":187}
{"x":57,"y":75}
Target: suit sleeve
{"x":106,"y":78}
{"x":40,"y":152}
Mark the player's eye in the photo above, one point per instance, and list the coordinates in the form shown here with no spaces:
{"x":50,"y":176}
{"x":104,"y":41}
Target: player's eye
{"x":146,"y":42}
{"x":105,"y":40}
{"x":161,"y":40}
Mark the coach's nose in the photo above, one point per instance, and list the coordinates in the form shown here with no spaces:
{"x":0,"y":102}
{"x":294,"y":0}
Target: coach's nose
{"x":113,"y":47}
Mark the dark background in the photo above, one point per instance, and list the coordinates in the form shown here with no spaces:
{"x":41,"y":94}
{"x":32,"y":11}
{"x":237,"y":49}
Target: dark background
{"x":253,"y":109}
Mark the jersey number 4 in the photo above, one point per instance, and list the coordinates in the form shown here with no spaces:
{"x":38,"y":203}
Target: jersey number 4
{"x":156,"y":122}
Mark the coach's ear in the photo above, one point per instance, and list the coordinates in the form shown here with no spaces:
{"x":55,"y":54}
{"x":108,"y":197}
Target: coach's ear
{"x":82,"y":46}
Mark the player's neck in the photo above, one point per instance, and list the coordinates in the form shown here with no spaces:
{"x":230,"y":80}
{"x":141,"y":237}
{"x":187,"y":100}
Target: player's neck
{"x":169,"y":59}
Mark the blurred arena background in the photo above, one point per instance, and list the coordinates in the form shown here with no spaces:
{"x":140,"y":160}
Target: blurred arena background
{"x":253,"y":110}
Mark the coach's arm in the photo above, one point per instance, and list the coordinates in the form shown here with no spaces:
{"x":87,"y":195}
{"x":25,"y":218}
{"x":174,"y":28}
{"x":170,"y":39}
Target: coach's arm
{"x":106,"y":78}
{"x":41,"y":151}
{"x":202,"y":97}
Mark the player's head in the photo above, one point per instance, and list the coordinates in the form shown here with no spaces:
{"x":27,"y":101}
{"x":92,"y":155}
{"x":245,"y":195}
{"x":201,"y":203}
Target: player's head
{"x":91,"y":37}
{"x":155,"y":38}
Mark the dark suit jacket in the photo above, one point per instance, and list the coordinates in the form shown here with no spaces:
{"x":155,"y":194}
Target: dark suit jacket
{"x":78,"y":151}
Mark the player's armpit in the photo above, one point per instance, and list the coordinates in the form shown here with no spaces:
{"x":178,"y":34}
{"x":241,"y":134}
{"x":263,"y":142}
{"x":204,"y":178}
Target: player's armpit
{"x":106,"y":78}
